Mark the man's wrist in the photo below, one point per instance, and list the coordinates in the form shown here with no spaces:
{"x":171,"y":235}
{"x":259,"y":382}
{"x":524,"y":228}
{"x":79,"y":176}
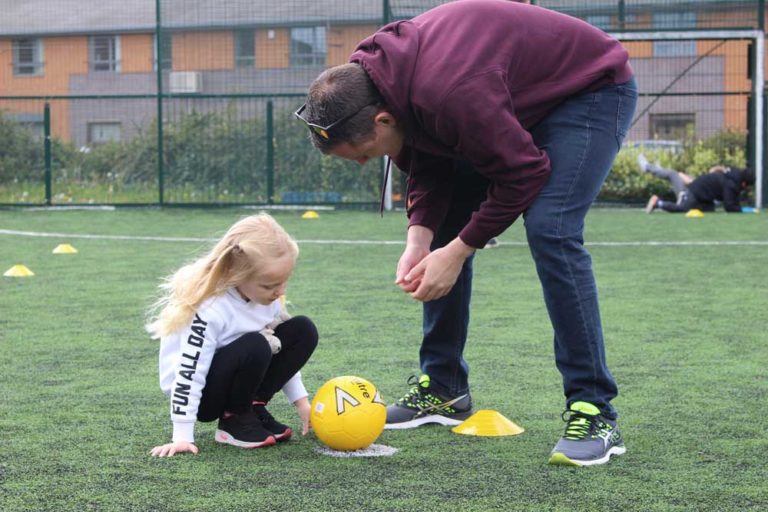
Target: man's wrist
{"x":419,"y":236}
{"x":459,"y":247}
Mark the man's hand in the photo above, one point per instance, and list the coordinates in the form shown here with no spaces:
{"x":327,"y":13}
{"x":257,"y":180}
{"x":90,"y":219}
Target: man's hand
{"x":416,"y":249}
{"x":437,"y":272}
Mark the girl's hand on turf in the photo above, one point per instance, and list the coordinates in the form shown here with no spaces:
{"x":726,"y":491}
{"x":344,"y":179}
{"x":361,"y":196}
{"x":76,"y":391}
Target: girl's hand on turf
{"x":171,"y":449}
{"x":303,"y":408}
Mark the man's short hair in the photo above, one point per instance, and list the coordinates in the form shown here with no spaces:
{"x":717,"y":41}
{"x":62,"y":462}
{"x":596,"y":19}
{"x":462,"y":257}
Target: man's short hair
{"x":336,"y":93}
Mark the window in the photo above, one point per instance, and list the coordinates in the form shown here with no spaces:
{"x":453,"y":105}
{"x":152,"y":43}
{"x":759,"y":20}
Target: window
{"x":166,"y":51}
{"x":104,"y":53}
{"x":308,"y":46}
{"x":671,"y":126}
{"x":674,"y":21}
{"x":27,"y":57}
{"x":33,"y":123}
{"x":245,"y":49}
{"x":674,"y":48}
{"x":36,"y":128}
{"x":100,"y":133}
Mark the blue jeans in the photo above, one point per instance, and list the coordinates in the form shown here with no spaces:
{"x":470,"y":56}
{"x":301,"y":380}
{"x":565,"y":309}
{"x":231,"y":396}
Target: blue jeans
{"x":446,"y":320}
{"x":581,"y":137}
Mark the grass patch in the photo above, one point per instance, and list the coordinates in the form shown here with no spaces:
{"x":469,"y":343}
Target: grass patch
{"x":80,"y":406}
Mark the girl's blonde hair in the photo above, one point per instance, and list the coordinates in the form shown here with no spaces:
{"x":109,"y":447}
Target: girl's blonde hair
{"x":247,"y":246}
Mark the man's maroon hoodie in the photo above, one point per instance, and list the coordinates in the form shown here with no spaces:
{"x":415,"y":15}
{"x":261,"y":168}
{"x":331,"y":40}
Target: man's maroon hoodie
{"x":467,"y":80}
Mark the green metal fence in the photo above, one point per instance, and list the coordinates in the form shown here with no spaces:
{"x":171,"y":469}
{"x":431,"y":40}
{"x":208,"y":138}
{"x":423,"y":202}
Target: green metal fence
{"x":81,"y":94}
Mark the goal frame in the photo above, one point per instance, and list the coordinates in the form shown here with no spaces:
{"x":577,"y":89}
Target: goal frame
{"x":758,"y":78}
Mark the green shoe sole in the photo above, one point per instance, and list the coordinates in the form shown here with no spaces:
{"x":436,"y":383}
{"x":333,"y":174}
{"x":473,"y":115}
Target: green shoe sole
{"x":558,"y":459}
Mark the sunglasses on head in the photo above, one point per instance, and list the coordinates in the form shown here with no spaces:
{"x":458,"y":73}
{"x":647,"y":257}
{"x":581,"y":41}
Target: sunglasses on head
{"x":322,"y":131}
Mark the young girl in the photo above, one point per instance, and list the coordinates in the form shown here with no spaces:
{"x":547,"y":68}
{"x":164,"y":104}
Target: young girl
{"x":227,"y":343}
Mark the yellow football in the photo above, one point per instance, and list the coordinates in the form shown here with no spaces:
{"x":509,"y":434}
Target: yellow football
{"x":348,"y":413}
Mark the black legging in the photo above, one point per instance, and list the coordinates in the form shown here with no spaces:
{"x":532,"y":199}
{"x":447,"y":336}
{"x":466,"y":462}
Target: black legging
{"x":245,"y":370}
{"x":687,"y":204}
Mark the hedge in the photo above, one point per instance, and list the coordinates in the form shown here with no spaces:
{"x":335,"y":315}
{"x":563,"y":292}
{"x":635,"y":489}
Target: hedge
{"x":218,"y":152}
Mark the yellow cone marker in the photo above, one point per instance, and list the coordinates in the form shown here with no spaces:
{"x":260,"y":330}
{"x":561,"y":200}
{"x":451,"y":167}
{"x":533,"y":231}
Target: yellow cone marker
{"x":487,"y":423}
{"x":64,"y":249}
{"x":18,"y":271}
{"x":694,"y":214}
{"x":310,"y":214}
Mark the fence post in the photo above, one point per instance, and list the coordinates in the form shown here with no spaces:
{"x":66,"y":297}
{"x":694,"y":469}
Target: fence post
{"x":159,"y":60}
{"x":622,"y":15}
{"x":270,"y":154}
{"x":47,"y":151}
{"x":758,"y":88}
{"x":383,"y":167}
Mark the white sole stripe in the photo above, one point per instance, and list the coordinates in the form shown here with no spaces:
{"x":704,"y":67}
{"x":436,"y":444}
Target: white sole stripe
{"x":224,"y":438}
{"x":434,"y":418}
{"x":615,"y":450}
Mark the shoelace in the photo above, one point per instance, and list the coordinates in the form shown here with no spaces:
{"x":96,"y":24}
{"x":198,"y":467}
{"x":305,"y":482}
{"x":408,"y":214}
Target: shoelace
{"x":414,"y":393}
{"x":419,"y":398}
{"x":579,"y":425}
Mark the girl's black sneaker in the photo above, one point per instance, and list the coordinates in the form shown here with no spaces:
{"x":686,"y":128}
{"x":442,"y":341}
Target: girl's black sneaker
{"x":280,"y":431}
{"x":244,"y":430}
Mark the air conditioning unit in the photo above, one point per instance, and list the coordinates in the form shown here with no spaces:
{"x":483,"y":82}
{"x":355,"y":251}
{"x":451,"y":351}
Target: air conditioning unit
{"x":185,"y":82}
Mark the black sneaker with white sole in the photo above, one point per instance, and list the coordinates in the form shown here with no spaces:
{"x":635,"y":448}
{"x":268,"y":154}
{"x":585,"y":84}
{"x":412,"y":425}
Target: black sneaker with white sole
{"x":280,"y":431}
{"x":589,"y":438}
{"x":244,"y":431}
{"x":423,"y":405}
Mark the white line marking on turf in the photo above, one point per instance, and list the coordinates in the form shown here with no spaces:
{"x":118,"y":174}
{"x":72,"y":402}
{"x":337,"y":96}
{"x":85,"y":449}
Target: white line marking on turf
{"x":374,"y":450}
{"x":681,"y":243}
{"x":140,"y":238}
{"x":39,"y":234}
{"x":655,"y":243}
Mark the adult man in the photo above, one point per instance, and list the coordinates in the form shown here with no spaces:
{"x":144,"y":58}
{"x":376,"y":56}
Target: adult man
{"x":494,"y":109}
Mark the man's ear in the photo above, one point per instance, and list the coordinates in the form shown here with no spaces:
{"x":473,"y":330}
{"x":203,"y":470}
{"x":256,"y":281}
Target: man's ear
{"x":385,"y":118}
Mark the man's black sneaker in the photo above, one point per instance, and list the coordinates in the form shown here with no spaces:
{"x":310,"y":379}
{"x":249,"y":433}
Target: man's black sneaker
{"x":589,"y":438}
{"x":244,"y":430}
{"x":423,"y":405}
{"x":280,"y":431}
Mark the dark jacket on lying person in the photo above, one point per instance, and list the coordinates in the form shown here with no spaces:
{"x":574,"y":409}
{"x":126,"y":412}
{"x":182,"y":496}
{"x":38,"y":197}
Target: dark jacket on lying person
{"x":725,"y":187}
